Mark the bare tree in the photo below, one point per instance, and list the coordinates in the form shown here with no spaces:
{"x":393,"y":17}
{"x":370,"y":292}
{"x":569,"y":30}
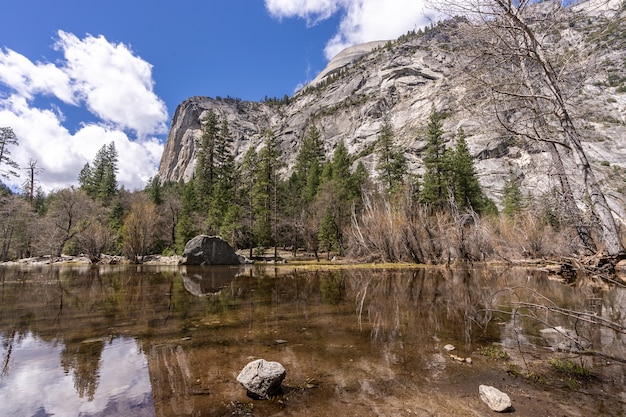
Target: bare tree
{"x":529,"y":86}
{"x":29,"y":185}
{"x":16,"y":221}
{"x":64,"y":219}
{"x":95,"y":235}
{"x":140,"y":228}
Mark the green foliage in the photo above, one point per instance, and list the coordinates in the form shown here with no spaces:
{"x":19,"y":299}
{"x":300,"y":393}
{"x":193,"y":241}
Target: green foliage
{"x":205,"y":157}
{"x":265,"y":191}
{"x":569,"y":368}
{"x":494,"y":352}
{"x":329,"y":234}
{"x":464,"y":181}
{"x":7,"y":139}
{"x":435,"y":185}
{"x":99,"y":179}
{"x":215,"y":174}
{"x":392,"y":166}
{"x":308,"y":168}
{"x":154,"y":189}
{"x":513,"y":200}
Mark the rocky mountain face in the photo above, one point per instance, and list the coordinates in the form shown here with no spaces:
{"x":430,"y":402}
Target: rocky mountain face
{"x":403,"y":80}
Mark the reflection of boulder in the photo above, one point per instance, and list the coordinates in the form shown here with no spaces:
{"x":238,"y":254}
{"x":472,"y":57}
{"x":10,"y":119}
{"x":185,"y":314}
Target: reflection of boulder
{"x":206,"y":281}
{"x":210,"y":250}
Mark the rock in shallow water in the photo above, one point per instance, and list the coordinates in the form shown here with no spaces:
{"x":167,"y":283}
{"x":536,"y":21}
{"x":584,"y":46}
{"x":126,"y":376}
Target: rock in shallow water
{"x":262,"y":378}
{"x":494,"y":398}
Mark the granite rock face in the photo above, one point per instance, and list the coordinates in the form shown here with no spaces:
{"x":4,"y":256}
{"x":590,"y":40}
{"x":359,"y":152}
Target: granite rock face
{"x":402,"y":81}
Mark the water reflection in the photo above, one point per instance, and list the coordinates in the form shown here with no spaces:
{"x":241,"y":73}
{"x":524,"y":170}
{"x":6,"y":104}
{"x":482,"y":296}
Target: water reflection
{"x":111,"y":379}
{"x":201,"y":281}
{"x":101,"y":339}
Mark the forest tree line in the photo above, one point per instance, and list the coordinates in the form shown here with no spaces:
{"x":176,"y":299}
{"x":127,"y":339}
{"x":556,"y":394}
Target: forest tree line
{"x":325,"y":205}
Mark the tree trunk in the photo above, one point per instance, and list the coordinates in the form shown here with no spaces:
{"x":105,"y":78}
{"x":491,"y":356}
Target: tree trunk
{"x":534,"y":51}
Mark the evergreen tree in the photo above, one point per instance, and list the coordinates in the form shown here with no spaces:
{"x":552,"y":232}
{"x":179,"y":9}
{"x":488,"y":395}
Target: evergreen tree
{"x":392,"y":166}
{"x":155,"y":190}
{"x":186,"y":228}
{"x":435,"y":185}
{"x":7,"y":139}
{"x":99,"y":179}
{"x":513,"y":200}
{"x":248,"y":172}
{"x":358,"y":180}
{"x":224,"y":180}
{"x":464,"y":182}
{"x":329,"y":234}
{"x":205,"y":157}
{"x":308,"y":168}
{"x":265,"y":192}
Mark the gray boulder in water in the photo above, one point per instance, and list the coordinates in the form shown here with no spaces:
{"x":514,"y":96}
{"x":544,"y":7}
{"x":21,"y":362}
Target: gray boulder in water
{"x":261,"y":378}
{"x":210,"y":250}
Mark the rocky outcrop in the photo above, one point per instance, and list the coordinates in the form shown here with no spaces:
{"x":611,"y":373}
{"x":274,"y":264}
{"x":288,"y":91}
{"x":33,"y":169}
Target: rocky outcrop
{"x":261,"y":378}
{"x":210,"y":250}
{"x":402,"y":81}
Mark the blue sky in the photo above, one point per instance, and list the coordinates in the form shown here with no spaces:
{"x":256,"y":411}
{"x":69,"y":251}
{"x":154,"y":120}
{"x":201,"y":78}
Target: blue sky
{"x":78,"y":74}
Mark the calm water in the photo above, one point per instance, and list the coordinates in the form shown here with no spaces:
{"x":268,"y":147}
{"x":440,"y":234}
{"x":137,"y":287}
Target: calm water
{"x":170,"y":341}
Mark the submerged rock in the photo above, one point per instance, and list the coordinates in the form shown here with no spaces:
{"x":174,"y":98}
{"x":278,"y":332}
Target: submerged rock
{"x":494,"y":398}
{"x":261,"y":378}
{"x":210,"y":250}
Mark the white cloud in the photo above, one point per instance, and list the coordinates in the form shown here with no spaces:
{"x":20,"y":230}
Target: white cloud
{"x":28,"y":78}
{"x":115,"y":84}
{"x":361,"y":20}
{"x":112,"y":83}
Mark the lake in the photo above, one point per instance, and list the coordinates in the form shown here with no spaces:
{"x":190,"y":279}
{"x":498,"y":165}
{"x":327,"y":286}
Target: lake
{"x":123,"y":340}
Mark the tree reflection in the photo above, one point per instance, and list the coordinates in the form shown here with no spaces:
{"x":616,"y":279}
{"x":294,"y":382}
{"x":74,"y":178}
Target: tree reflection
{"x":83,"y":359}
{"x":332,"y":287}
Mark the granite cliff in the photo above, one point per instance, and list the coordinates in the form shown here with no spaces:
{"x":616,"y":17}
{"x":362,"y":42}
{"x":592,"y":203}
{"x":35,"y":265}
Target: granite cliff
{"x":403,"y":80}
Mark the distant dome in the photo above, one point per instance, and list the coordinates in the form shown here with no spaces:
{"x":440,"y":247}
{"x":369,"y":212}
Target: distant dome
{"x":346,"y":57}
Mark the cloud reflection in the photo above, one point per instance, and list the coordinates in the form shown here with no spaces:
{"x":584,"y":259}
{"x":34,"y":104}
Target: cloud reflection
{"x":35,"y":383}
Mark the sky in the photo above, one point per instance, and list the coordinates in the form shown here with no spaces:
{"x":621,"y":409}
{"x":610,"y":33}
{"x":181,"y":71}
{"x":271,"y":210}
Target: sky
{"x":76,"y":75}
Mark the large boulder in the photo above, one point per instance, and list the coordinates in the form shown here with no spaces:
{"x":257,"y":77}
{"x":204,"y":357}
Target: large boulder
{"x":261,"y":378}
{"x":496,"y":400}
{"x":210,"y":250}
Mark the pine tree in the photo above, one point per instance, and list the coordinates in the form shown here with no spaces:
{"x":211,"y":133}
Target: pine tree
{"x":329,"y":234}
{"x":513,"y":200}
{"x":185,"y":227}
{"x":435,"y":184}
{"x":224,"y":179}
{"x":265,"y":192}
{"x":464,"y":182}
{"x":7,"y":139}
{"x":99,"y":179}
{"x":205,"y":157}
{"x":308,"y":168}
{"x":154,"y":188}
{"x":248,"y":174}
{"x":391,"y":167}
